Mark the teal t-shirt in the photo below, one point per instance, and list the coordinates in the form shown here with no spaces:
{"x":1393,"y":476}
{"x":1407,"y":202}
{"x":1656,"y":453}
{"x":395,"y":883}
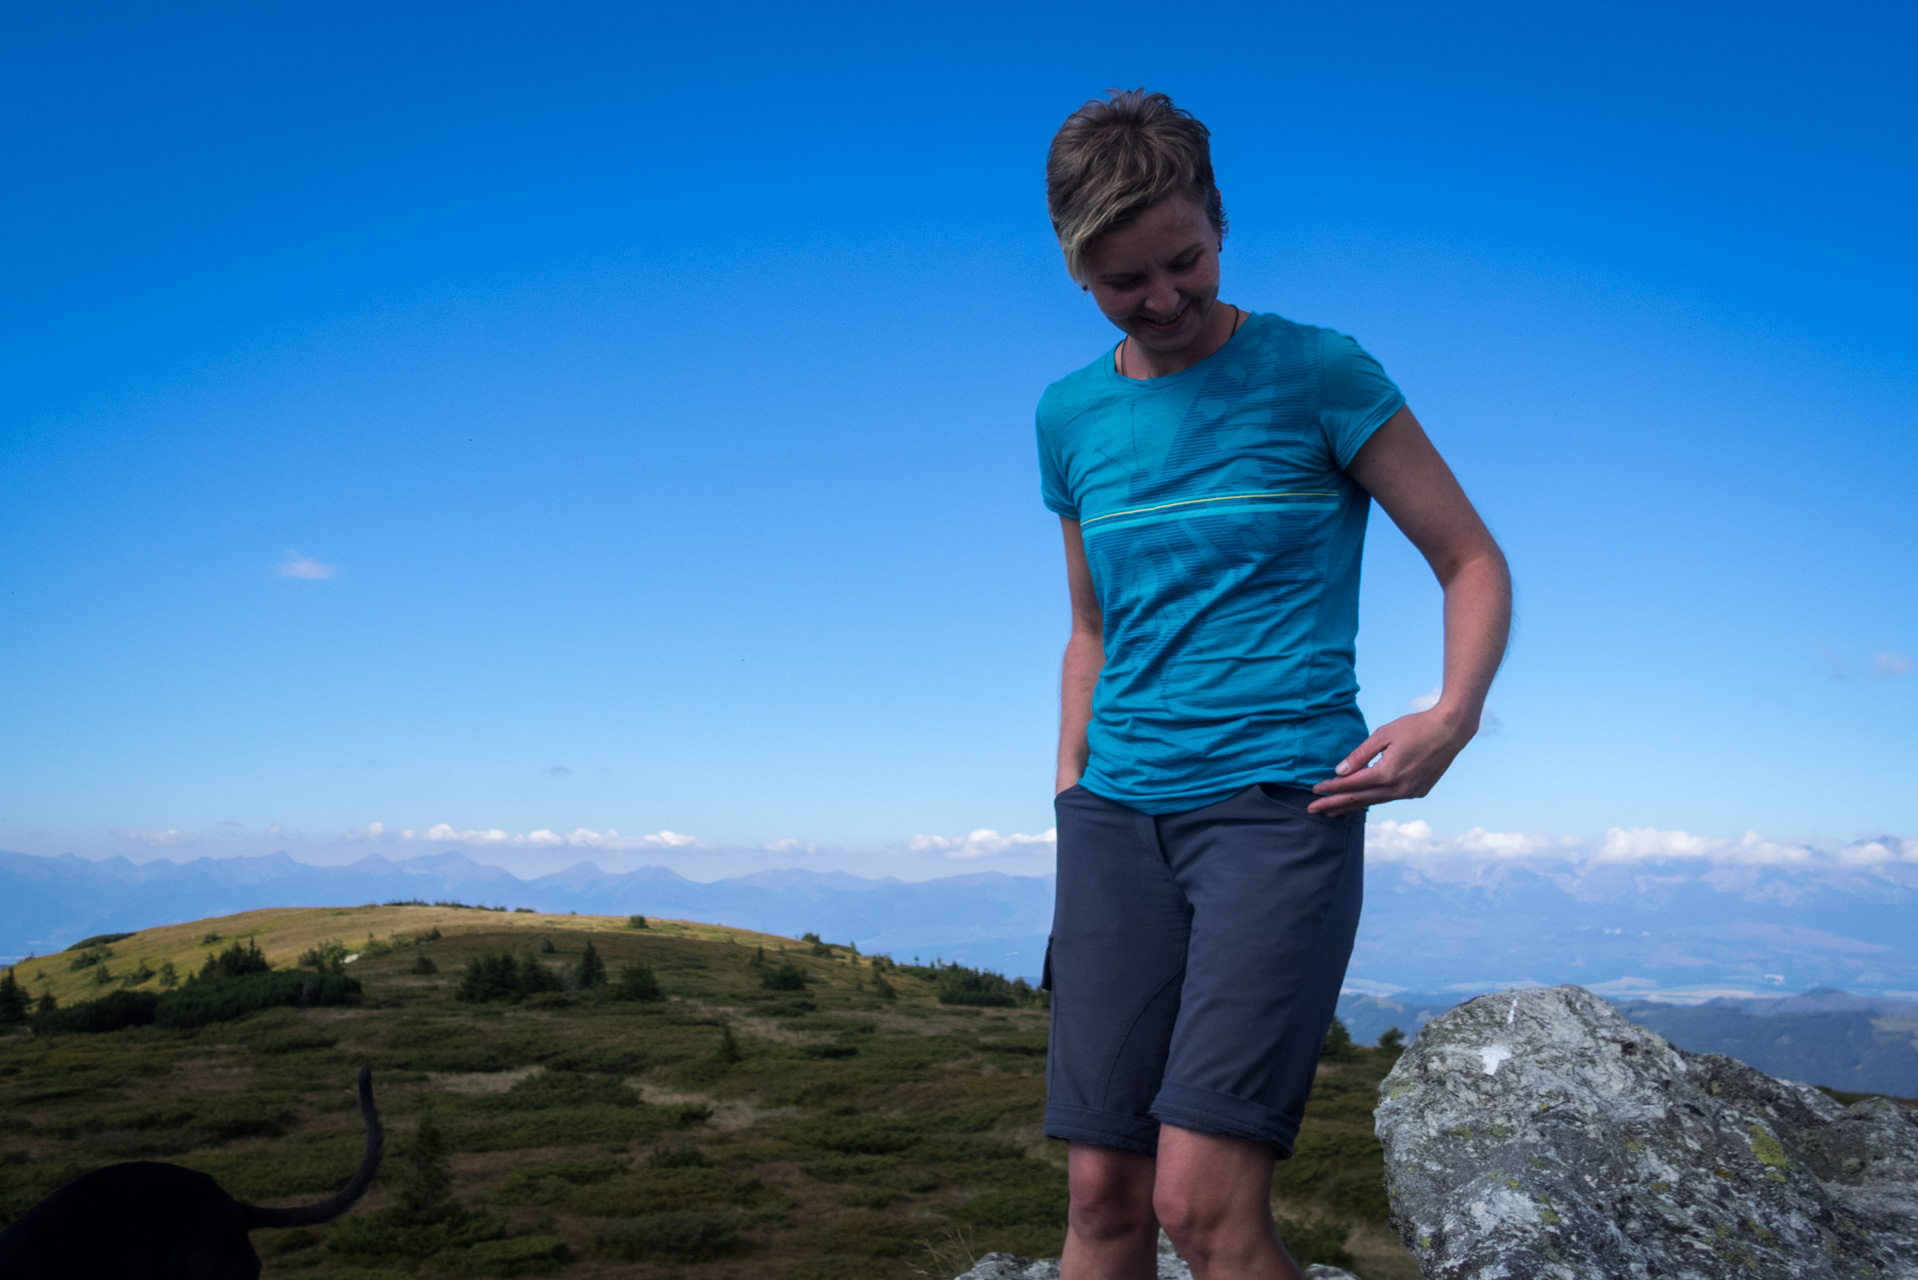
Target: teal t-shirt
{"x":1223,"y":536}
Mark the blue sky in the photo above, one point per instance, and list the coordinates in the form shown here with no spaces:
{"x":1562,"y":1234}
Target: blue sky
{"x":646,"y":397}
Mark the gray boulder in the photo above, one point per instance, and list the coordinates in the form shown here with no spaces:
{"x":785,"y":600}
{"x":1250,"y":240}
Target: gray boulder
{"x":1535,"y":1134}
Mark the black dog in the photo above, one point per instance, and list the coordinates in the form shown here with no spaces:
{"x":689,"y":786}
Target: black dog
{"x":149,"y":1221}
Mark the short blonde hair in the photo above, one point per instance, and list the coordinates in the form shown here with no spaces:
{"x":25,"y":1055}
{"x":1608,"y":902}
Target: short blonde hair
{"x":1113,"y":160}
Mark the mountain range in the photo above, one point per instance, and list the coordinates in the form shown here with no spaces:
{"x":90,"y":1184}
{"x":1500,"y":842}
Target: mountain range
{"x":1424,"y":944}
{"x":986,"y":920}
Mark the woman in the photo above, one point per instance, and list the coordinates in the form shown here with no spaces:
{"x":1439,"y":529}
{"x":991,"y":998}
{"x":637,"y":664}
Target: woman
{"x":1213,"y":472}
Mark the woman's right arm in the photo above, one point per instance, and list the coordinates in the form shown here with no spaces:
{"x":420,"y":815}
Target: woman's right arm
{"x":1085,"y":656}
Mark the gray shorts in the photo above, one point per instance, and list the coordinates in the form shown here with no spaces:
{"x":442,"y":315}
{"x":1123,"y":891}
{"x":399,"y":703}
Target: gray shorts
{"x":1195,"y":963}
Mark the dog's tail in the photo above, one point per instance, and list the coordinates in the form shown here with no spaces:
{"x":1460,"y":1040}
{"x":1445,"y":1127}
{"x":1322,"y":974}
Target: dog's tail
{"x":310,"y":1215}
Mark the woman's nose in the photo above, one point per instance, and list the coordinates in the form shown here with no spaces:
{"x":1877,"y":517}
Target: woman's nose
{"x":1161,"y":298}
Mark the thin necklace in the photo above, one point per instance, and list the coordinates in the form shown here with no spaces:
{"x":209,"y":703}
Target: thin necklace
{"x":1238,"y":318}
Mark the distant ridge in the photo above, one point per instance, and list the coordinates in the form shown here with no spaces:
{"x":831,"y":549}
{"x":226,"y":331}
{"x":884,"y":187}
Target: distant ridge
{"x":985,"y":919}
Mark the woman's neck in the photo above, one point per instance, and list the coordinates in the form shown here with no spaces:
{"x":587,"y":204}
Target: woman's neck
{"x":1132,"y":360}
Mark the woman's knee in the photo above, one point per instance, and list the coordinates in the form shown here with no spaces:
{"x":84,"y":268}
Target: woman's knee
{"x":1111,"y":1193}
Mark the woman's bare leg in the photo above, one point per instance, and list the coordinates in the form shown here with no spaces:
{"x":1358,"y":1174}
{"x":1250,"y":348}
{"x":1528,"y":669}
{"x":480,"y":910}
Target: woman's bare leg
{"x":1214,"y":1197}
{"x":1111,"y":1233}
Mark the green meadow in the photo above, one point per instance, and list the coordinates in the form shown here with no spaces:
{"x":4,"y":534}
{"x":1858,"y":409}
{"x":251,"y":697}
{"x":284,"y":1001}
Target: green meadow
{"x":722,"y":1104}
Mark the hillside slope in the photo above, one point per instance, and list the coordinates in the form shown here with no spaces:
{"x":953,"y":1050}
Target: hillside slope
{"x":785,"y":1109}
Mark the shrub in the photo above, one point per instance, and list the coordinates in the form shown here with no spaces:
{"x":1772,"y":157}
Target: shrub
{"x":567,"y":1089}
{"x":1018,"y":1206}
{"x":637,"y":922}
{"x":1320,"y":1241}
{"x":121,"y":1009}
{"x":200,"y":1003}
{"x":683,"y":1157}
{"x":235,"y":962}
{"x":504,"y":977}
{"x":88,"y":958}
{"x":637,"y":983}
{"x":425,"y":1190}
{"x":785,"y":977}
{"x":99,"y":940}
{"x":1338,"y":1044}
{"x":169,"y":975}
{"x":13,"y":1001}
{"x":520,"y":1256}
{"x":686,"y":1235}
{"x":962,"y":986}
{"x":327,"y":957}
{"x":423,"y":963}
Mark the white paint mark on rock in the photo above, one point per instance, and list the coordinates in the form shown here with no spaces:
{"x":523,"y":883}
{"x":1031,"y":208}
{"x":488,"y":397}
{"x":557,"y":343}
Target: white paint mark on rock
{"x":1491,"y":1055}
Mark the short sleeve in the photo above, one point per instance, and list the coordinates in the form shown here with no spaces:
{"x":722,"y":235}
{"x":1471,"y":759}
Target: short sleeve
{"x":1355,"y":396}
{"x":1052,"y":473}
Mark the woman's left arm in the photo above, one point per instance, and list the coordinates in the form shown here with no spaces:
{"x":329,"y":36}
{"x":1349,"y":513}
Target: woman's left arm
{"x":1407,"y":757}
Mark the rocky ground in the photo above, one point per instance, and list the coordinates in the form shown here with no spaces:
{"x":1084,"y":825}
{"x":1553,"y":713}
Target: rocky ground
{"x":1538,"y":1133}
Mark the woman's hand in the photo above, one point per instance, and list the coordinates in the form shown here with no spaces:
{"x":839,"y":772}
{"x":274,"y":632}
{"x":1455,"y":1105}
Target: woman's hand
{"x":1400,"y":761}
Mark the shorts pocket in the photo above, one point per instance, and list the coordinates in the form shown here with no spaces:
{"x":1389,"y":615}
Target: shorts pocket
{"x":1293,"y":801}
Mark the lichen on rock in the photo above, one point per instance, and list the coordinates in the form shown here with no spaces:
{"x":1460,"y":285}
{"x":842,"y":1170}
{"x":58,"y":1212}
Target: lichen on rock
{"x":1539,"y":1134}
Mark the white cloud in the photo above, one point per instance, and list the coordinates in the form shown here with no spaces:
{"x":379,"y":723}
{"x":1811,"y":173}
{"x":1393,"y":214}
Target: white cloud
{"x":154,"y":837}
{"x":1752,"y":865}
{"x":1425,"y":701}
{"x":582,"y":837}
{"x":1885,"y":664}
{"x":295,"y":565}
{"x":983,"y":843}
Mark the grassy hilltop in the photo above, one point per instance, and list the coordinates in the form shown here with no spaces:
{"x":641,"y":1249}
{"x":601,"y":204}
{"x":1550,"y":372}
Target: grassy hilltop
{"x":753,"y":1105}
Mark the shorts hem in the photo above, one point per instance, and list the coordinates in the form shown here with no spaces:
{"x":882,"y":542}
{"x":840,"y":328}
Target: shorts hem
{"x":1202,"y":1110}
{"x":1102,"y":1128}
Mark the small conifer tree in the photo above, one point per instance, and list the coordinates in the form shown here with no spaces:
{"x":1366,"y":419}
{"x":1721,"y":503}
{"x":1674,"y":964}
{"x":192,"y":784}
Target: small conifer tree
{"x":1392,"y":1041}
{"x":637,"y":983}
{"x":1338,"y":1044}
{"x":13,"y":1001}
{"x":425,"y":1191}
{"x":591,"y":970}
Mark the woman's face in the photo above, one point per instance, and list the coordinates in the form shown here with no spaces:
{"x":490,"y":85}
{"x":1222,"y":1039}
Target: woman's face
{"x":1157,"y":278}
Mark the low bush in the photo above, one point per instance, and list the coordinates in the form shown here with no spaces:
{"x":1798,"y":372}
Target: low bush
{"x":637,"y":984}
{"x":235,"y":962}
{"x":505,"y":977}
{"x":685,"y":1235}
{"x":783,"y":977}
{"x":1020,"y":1206}
{"x":199,"y":1003}
{"x":519,"y":1256}
{"x":1338,"y":1044}
{"x":109,"y":1013}
{"x":326,"y":957}
{"x":1319,"y":1241}
{"x":565,"y":1089}
{"x":99,"y":940}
